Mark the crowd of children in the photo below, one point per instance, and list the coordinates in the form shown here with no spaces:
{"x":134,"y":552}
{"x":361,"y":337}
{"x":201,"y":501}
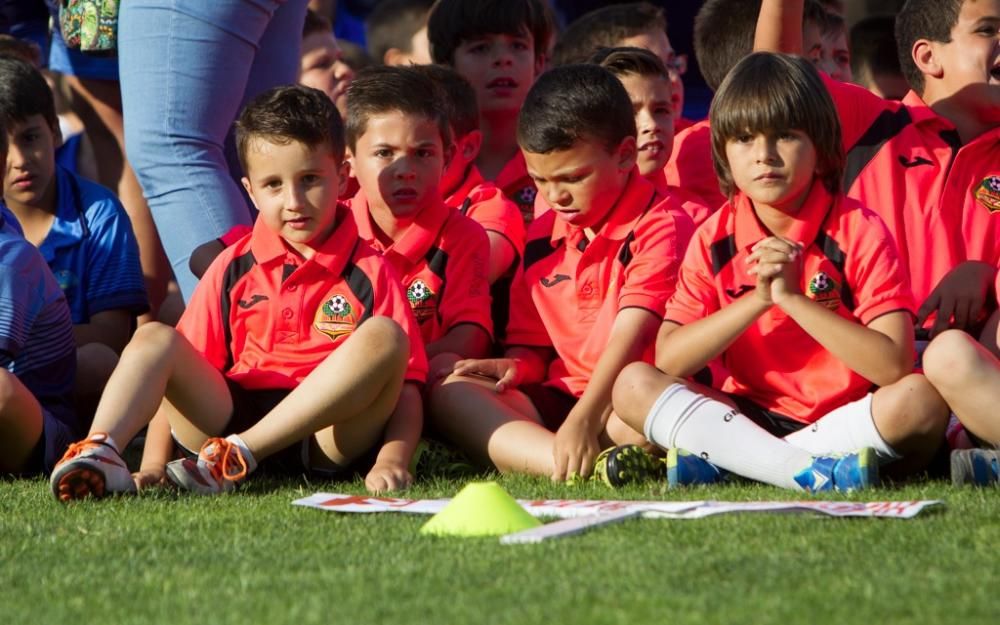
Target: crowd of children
{"x":509,"y":251}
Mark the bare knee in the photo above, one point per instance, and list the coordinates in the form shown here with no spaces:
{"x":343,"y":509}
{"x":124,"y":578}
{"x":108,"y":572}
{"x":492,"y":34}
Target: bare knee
{"x":953,"y":360}
{"x":384,"y":337}
{"x":910,"y":408}
{"x":153,"y":335}
{"x":635,"y":391}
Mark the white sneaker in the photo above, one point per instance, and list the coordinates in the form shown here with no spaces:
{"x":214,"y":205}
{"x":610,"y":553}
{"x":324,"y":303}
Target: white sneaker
{"x":219,"y":468}
{"x":90,"y":468}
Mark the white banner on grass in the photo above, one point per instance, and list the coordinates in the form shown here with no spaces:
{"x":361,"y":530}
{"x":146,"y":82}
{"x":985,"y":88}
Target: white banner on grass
{"x":571,"y":508}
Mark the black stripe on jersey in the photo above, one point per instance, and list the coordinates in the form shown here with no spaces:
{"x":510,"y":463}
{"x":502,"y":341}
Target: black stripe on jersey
{"x":287,"y":270}
{"x":359,"y":283}
{"x":836,"y":255}
{"x":237,"y":268}
{"x":625,"y":254}
{"x":886,"y":126}
{"x":464,"y":208}
{"x":537,"y":250}
{"x":437,"y":262}
{"x":722,"y":252}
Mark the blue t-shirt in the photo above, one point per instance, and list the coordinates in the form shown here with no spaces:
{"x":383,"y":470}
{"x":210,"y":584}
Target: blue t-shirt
{"x":36,"y":333}
{"x":92,"y":250}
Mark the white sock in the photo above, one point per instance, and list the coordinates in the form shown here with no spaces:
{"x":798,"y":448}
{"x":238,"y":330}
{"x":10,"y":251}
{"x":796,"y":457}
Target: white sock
{"x":247,"y":454}
{"x":720,"y":434}
{"x":844,"y":430}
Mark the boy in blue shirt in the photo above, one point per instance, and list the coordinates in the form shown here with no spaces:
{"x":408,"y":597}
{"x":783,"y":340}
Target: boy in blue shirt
{"x":80,"y":228}
{"x":37,"y":360}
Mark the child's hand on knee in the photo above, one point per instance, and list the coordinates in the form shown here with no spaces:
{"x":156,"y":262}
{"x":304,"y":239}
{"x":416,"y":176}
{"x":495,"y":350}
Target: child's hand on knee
{"x":386,"y":476}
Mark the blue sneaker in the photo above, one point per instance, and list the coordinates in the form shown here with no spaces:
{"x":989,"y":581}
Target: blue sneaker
{"x":687,"y":469}
{"x":978,"y":467}
{"x":855,"y":471}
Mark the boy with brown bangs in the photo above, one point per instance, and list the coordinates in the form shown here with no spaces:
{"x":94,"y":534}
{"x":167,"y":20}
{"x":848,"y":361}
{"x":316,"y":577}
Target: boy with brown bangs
{"x":801,"y":293}
{"x":588,"y":296}
{"x":499,"y":46}
{"x":645,"y":79}
{"x":294,"y":352}
{"x":927,"y":165}
{"x":399,"y":139}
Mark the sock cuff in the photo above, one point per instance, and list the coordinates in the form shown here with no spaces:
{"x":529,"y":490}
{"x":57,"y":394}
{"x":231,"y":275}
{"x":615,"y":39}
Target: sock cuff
{"x":675,"y":403}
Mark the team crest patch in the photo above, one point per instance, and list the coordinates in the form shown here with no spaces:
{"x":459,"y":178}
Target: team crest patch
{"x":824,"y":290}
{"x":421,"y":300}
{"x":527,"y":195}
{"x":988,"y":193}
{"x":335,"y":318}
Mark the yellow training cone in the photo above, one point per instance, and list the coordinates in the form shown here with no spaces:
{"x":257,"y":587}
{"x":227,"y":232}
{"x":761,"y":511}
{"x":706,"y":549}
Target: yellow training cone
{"x":480,"y":509}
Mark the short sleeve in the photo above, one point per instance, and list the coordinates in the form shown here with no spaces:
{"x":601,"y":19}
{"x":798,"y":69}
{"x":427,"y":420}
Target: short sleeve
{"x":856,"y":107}
{"x":696,"y":296}
{"x":202,"y":323}
{"x":495,"y":213}
{"x":651,"y":274}
{"x":876,"y":274}
{"x":525,"y":326}
{"x":114,"y":274}
{"x":466,"y":297}
{"x":22,"y":293}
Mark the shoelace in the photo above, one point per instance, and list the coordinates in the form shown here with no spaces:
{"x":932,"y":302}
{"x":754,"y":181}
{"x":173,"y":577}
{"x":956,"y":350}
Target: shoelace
{"x":217,"y":454}
{"x":77,"y":448}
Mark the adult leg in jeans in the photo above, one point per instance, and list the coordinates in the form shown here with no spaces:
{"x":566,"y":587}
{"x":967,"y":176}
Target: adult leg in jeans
{"x":185,"y":66}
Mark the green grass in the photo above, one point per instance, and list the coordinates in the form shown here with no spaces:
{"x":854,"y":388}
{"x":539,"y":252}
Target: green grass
{"x":254,"y":558}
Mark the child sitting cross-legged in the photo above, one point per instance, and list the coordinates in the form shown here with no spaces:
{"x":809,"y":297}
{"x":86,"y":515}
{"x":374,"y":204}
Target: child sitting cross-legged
{"x":802,"y":293}
{"x":294,"y":349}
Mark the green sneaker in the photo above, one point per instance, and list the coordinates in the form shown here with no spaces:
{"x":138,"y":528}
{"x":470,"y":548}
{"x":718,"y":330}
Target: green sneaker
{"x":628,"y":464}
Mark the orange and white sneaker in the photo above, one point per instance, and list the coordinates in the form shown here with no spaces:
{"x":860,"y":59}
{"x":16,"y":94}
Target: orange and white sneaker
{"x":90,"y":468}
{"x":220,"y":467}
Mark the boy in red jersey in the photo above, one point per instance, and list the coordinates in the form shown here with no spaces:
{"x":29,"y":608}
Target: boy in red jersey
{"x":399,"y":138}
{"x":296,"y":343}
{"x":801,"y":293}
{"x":499,"y":46}
{"x":645,"y":79}
{"x":927,"y":165}
{"x":588,"y":297}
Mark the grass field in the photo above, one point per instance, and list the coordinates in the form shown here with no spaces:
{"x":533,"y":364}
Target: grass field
{"x":254,"y":558}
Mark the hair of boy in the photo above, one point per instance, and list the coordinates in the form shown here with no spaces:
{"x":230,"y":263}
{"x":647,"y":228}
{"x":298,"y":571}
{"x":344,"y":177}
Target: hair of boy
{"x":923,"y":19}
{"x":458,"y":95}
{"x":386,"y":89}
{"x":773,"y":93}
{"x":828,"y":23}
{"x":393,"y":23}
{"x":630,"y":61}
{"x":315,"y":23}
{"x":571,"y":102}
{"x":23,"y":93}
{"x":723,"y":34}
{"x":606,"y":27}
{"x":873,"y":48}
{"x":452,"y":22}
{"x":21,"y":48}
{"x":290,"y":113}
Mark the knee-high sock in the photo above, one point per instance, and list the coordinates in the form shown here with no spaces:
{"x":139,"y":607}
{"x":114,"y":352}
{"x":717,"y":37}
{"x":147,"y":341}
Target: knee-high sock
{"x":723,"y":436}
{"x":844,"y":430}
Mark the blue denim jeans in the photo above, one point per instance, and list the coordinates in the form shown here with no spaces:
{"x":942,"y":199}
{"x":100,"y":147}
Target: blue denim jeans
{"x":187,"y":67}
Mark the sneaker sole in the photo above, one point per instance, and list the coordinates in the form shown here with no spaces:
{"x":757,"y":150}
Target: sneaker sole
{"x":630,"y":464}
{"x":82,"y":481}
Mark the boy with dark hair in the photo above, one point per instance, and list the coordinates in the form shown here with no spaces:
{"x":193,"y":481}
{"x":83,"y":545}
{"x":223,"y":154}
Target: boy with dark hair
{"x":638,"y":24}
{"x":927,"y":165}
{"x":874,"y":61}
{"x":645,"y":78}
{"x":499,"y":46}
{"x":396,"y":32}
{"x":399,"y":139}
{"x":80,"y":228}
{"x":37,"y":355}
{"x":296,"y":343}
{"x":800,"y":291}
{"x":463,"y":188}
{"x":588,"y":296}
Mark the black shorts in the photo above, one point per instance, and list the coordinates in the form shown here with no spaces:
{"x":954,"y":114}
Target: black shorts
{"x":249,"y":407}
{"x":552,"y":404}
{"x":52,"y":444}
{"x":775,"y":423}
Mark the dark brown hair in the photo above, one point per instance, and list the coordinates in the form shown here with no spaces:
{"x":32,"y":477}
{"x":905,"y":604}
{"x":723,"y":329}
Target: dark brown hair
{"x":453,"y":22}
{"x":290,"y":113}
{"x":772,"y":93}
{"x":629,"y":61}
{"x":606,"y":27}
